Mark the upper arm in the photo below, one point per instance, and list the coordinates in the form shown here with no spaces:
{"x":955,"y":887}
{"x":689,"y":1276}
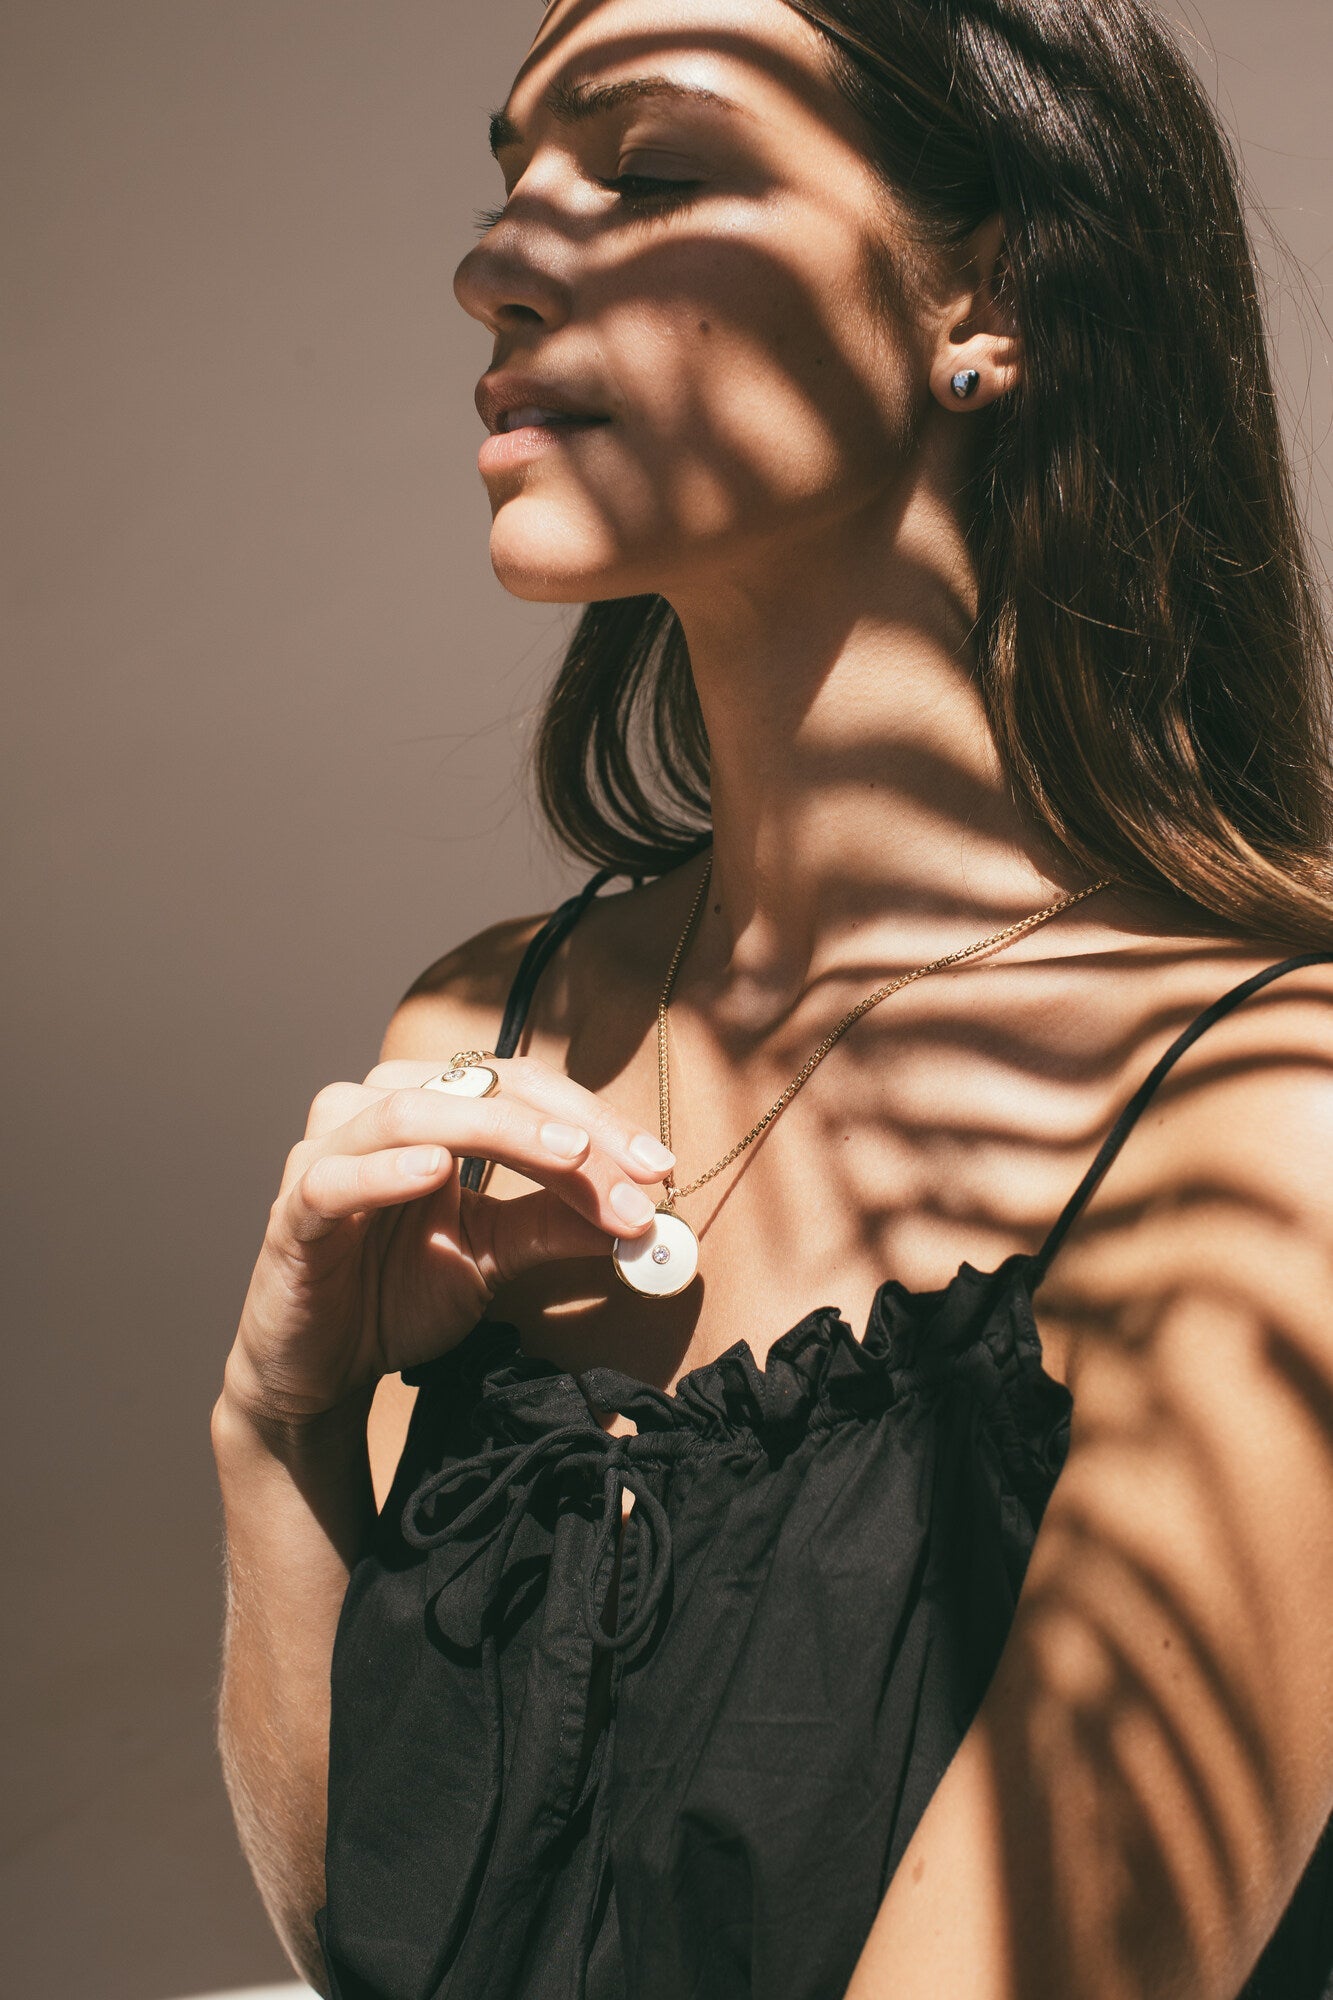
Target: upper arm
{"x":456,"y":1003}
{"x":1152,"y":1765}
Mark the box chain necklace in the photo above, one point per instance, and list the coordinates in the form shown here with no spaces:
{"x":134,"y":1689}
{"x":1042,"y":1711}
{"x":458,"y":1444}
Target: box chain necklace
{"x":664,"y":1260}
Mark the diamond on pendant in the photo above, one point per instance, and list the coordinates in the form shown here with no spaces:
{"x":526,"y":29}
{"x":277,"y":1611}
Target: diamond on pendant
{"x":661,"y":1255}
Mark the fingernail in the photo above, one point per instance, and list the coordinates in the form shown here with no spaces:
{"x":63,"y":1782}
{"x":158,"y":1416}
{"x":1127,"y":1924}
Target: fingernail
{"x":649,"y":1153}
{"x":421,"y":1160}
{"x":565,"y":1141}
{"x":630,"y":1203}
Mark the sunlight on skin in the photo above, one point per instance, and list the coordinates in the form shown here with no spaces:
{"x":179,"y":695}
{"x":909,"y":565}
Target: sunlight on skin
{"x":731,"y":341}
{"x":783,"y":457}
{"x":1151,"y":1764}
{"x":1153,"y":1750}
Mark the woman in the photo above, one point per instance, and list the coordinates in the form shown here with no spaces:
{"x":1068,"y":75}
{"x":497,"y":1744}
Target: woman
{"x":888,"y":378}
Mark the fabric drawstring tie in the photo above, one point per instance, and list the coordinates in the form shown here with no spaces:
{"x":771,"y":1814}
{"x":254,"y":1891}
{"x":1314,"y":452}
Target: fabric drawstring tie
{"x":569,"y":1448}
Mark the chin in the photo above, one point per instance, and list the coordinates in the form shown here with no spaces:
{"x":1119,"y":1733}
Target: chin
{"x":545,"y":562}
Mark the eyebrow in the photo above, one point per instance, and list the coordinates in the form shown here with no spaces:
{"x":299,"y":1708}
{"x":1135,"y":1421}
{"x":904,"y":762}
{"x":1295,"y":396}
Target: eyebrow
{"x":574,"y":103}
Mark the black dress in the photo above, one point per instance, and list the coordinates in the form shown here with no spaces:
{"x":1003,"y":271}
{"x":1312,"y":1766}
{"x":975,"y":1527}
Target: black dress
{"x":818,"y":1576}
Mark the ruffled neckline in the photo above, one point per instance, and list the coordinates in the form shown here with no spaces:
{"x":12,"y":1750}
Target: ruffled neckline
{"x":978,"y":1332}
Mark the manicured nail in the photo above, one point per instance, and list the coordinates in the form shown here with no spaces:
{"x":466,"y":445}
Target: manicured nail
{"x":630,"y":1203}
{"x":565,"y":1141}
{"x":421,"y":1160}
{"x":650,"y":1153}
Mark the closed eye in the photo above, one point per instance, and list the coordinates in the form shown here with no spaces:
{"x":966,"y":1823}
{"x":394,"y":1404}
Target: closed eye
{"x":642,"y":191}
{"x":650,"y":189}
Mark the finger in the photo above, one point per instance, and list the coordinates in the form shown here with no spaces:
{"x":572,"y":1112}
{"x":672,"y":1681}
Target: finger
{"x":501,"y":1128}
{"x":336,"y":1186}
{"x":334,"y":1105}
{"x":636,"y":1150}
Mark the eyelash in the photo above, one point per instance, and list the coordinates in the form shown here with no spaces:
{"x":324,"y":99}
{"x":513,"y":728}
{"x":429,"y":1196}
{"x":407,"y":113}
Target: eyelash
{"x":632,"y":189}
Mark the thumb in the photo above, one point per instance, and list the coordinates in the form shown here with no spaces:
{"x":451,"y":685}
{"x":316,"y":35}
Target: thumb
{"x":509,"y":1237}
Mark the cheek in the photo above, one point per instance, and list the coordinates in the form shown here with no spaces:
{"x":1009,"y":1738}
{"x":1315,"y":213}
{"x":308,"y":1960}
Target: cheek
{"x":757,"y":383}
{"x":760,"y":381}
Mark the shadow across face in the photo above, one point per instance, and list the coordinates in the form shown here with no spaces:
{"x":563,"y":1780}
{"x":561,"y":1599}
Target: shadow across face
{"x":713,"y":330}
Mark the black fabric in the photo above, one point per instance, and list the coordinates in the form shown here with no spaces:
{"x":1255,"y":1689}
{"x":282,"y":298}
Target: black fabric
{"x":818,"y":1576}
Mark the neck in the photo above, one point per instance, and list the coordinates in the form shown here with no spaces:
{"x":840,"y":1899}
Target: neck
{"x":861,"y":818}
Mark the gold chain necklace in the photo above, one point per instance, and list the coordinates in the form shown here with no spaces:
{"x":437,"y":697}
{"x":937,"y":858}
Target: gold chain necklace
{"x":663,"y":1261}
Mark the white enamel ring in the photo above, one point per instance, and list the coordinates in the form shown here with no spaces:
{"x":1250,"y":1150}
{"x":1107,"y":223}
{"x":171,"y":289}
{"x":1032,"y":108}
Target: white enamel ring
{"x":464,"y":1080}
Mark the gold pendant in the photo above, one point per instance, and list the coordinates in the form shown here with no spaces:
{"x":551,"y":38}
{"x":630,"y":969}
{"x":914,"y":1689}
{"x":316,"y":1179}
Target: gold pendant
{"x":662,"y":1261}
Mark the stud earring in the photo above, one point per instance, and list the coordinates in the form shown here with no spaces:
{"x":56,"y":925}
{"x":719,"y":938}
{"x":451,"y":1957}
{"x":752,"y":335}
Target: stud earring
{"x":966,"y":383}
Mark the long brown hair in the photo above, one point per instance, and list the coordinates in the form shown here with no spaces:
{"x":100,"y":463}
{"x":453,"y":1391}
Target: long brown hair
{"x":1151,"y":643}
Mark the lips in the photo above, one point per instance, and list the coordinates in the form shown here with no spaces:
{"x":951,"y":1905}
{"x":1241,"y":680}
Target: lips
{"x":522,"y":404}
{"x":532,"y":416}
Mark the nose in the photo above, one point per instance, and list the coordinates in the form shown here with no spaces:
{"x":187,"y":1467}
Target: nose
{"x":511,"y":279}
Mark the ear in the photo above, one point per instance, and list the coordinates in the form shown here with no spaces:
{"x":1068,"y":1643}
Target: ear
{"x":978,"y":344}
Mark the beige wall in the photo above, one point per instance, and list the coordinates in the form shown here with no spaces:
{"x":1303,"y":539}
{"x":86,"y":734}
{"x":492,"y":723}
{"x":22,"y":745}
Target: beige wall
{"x":270,"y":708}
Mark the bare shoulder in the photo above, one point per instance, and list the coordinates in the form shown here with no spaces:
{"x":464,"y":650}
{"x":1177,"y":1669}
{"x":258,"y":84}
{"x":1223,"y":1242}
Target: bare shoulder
{"x":1248,"y":1112}
{"x":1168,"y":1661}
{"x":599,"y":978}
{"x":1244,"y":1117}
{"x":459,"y":998}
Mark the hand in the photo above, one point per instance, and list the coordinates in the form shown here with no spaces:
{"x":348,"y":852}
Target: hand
{"x":376,"y":1259}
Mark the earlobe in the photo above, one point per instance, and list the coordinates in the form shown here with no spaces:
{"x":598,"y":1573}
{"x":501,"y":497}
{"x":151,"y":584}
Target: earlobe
{"x":976,"y":372}
{"x":980,"y":352}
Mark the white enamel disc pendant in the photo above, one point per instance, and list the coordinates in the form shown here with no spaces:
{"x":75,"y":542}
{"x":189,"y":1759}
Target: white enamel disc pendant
{"x":464,"y":1080}
{"x":662,"y":1261}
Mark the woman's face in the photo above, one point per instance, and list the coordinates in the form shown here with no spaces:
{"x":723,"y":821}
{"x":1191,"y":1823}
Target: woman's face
{"x":702,"y":360}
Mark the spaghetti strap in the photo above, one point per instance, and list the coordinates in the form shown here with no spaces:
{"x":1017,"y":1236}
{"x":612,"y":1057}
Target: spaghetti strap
{"x":1138,"y":1103}
{"x":541,"y":948}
